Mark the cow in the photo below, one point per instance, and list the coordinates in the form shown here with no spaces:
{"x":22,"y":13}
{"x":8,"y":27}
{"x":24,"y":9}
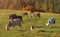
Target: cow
{"x":36,"y":15}
{"x":14,"y":20}
{"x":50,"y":22}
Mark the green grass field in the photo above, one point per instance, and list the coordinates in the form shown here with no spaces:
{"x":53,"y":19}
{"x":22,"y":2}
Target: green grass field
{"x":26,"y":32}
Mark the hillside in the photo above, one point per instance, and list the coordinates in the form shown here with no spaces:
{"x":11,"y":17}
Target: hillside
{"x":26,"y":32}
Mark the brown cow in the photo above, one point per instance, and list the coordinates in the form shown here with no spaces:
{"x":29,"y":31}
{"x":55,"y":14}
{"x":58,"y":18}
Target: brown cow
{"x":35,"y":14}
{"x":14,"y":20}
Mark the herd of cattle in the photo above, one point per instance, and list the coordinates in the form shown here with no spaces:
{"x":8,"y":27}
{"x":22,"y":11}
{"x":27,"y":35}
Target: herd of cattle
{"x":17,"y":20}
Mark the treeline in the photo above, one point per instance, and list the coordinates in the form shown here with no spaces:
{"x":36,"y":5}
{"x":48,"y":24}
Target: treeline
{"x":47,"y":5}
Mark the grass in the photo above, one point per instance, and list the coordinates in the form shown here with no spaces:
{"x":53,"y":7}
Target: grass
{"x":49,"y":32}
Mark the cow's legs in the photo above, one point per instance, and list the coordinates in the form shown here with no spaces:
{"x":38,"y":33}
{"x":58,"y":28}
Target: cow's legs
{"x":9,"y":25}
{"x":20,"y":27}
{"x":39,"y":16}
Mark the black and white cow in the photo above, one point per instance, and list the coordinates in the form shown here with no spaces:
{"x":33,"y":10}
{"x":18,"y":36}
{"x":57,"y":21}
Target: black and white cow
{"x":14,"y":20}
{"x":50,"y":22}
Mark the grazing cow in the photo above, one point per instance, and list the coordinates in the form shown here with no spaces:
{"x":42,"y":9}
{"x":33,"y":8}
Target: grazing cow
{"x":14,"y":20}
{"x":35,"y":14}
{"x":50,"y":22}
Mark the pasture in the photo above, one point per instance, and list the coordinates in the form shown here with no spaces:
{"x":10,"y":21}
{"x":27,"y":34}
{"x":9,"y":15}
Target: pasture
{"x":40,"y":24}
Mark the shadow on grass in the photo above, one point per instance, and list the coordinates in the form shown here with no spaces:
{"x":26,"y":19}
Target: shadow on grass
{"x":22,"y":30}
{"x":47,"y":31}
{"x":38,"y":26}
{"x":46,"y":27}
{"x":56,"y":27}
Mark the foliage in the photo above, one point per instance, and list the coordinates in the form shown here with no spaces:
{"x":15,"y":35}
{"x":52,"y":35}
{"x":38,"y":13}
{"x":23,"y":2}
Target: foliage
{"x":41,"y":4}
